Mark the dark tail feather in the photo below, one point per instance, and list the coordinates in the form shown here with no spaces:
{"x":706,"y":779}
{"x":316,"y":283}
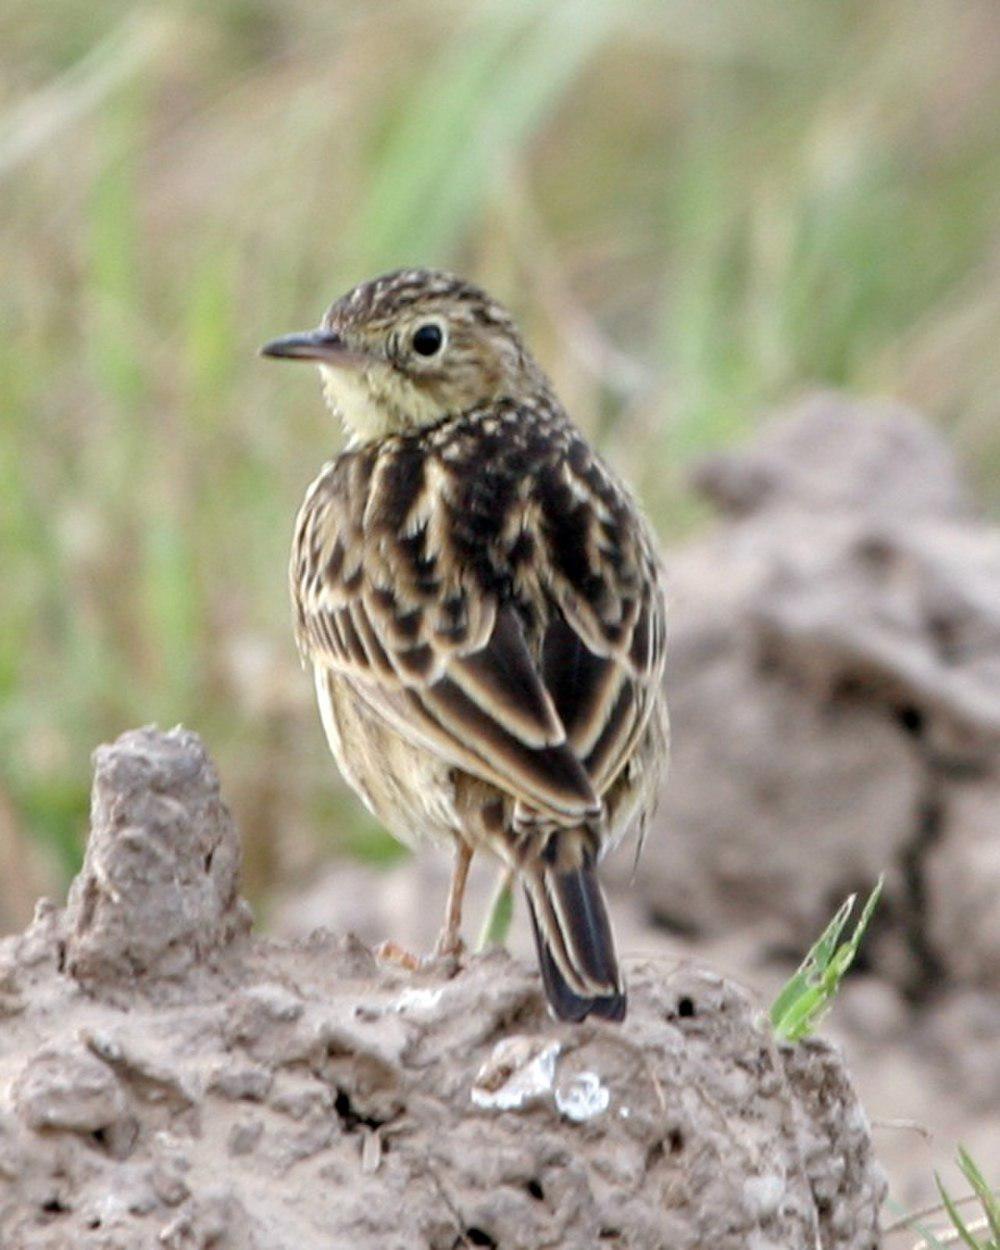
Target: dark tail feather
{"x":576,"y":950}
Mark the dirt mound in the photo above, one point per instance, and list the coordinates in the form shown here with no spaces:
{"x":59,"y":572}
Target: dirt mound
{"x":835,"y":696}
{"x":166,"y":1080}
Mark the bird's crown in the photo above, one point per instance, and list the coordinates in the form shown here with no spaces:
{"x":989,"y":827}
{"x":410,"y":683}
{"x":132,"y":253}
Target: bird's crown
{"x":384,"y":300}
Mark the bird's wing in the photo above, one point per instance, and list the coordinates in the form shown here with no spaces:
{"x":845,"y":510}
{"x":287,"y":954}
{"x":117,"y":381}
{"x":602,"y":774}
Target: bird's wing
{"x":603,"y":652}
{"x":382,"y":600}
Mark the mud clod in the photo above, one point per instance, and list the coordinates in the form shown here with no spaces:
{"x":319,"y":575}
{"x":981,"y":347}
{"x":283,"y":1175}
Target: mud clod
{"x":179,"y":1084}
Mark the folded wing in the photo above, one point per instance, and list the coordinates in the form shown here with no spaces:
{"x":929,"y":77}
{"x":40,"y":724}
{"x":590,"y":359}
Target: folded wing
{"x":384,"y":600}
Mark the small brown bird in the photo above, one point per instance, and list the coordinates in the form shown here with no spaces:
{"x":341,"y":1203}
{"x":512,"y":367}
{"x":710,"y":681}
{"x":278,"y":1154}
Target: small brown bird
{"x":479,"y":598}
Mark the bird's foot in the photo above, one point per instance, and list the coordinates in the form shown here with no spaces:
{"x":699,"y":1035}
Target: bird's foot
{"x":446,"y":955}
{"x":390,"y":952}
{"x":448,"y":946}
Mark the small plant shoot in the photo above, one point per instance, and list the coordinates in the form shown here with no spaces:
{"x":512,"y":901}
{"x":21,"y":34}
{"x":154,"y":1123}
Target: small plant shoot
{"x":806,"y":997}
{"x":968,"y":1234}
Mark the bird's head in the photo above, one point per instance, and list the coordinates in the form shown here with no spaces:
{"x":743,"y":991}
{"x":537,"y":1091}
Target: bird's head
{"x":411,"y":348}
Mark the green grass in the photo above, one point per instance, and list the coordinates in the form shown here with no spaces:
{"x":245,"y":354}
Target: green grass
{"x":696,"y":210}
{"x":808,"y":995}
{"x":984,"y":1233}
{"x":978,"y":1231}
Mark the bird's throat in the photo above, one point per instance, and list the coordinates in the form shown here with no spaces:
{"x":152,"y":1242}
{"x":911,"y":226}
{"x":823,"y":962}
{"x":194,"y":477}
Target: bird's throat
{"x":377,"y":402}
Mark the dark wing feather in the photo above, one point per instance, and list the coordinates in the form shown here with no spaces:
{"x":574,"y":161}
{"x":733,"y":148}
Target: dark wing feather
{"x":447,"y":666}
{"x":506,"y":615}
{"x":603,"y":652}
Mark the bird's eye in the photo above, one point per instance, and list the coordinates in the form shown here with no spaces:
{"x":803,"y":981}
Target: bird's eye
{"x":427,"y":339}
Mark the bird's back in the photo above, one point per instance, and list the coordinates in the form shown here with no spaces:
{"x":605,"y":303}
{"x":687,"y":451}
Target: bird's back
{"x":408,"y":548}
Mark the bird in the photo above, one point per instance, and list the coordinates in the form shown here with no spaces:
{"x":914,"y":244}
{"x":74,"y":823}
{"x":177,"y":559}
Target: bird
{"x":480,"y":600}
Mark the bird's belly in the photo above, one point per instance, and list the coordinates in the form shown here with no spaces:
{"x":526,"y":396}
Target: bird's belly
{"x":410,"y":790}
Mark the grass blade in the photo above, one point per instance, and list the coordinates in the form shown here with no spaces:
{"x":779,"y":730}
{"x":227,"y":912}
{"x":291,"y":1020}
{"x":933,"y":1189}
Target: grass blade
{"x":480,"y":101}
{"x":987,"y":1197}
{"x":806,"y":997}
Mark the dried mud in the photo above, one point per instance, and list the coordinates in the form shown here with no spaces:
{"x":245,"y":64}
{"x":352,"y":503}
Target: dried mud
{"x":169,"y":1080}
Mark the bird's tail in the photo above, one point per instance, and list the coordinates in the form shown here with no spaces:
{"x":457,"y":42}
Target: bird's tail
{"x":576,"y":949}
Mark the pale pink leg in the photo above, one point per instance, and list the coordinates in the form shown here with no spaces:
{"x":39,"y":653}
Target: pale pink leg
{"x":450,"y":941}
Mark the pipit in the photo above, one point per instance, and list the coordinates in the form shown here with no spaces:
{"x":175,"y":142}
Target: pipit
{"x":479,"y":598}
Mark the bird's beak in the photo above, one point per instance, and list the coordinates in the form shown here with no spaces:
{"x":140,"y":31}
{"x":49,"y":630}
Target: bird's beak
{"x":323,"y":346}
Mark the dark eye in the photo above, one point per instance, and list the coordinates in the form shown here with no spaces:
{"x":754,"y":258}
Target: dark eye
{"x":427,"y":339}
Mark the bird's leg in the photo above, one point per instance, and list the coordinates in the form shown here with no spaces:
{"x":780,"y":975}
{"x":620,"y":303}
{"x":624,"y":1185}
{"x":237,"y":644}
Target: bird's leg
{"x":501,"y":910}
{"x":450,"y":941}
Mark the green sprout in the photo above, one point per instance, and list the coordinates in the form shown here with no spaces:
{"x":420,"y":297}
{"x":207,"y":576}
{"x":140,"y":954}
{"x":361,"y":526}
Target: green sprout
{"x":968,"y":1234}
{"x":806,"y":997}
{"x":960,"y":1233}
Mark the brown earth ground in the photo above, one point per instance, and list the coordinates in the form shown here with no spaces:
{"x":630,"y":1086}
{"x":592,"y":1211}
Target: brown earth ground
{"x":166,"y":1080}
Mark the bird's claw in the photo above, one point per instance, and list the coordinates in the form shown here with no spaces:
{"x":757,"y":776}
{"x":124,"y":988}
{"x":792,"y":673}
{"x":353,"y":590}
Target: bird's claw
{"x":390,"y":952}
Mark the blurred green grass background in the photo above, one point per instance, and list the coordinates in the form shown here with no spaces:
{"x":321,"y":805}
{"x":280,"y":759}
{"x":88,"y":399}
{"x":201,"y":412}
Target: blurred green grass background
{"x":696,"y":210}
